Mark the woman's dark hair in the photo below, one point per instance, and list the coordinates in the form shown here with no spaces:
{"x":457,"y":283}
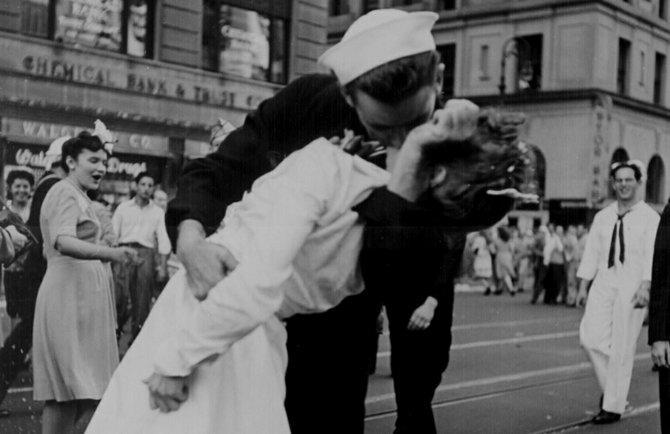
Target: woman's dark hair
{"x":395,"y":81}
{"x":74,"y":146}
{"x":491,"y":152}
{"x":490,"y":159}
{"x":20,"y":174}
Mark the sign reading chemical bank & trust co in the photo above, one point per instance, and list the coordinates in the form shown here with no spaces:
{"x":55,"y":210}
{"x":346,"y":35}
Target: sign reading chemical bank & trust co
{"x":40,"y":59}
{"x":135,"y":82}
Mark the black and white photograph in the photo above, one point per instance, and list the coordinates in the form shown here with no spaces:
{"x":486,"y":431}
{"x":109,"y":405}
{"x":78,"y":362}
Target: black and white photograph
{"x":334,"y":217}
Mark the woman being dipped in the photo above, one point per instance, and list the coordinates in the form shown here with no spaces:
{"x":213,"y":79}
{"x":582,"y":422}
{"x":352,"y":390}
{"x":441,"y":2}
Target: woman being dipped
{"x":74,"y":342}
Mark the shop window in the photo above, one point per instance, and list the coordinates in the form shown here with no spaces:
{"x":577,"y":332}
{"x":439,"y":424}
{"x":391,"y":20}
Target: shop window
{"x":244,"y":42}
{"x":35,"y":18}
{"x":484,"y":62}
{"x":448,"y":58}
{"x":655,"y":180}
{"x":623,"y":66}
{"x":659,"y":79}
{"x":124,"y":26}
{"x":139,"y":28}
{"x":529,"y":70}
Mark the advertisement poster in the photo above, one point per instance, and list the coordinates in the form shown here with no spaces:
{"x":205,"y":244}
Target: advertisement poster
{"x":245,"y":43}
{"x":89,"y":23}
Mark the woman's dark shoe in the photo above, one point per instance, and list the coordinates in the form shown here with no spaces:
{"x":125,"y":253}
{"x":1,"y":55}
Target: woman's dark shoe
{"x":605,"y":417}
{"x":488,"y":291}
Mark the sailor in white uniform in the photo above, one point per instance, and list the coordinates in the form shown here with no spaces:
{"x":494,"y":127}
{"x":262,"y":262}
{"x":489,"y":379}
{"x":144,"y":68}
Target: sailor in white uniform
{"x":618,"y":258}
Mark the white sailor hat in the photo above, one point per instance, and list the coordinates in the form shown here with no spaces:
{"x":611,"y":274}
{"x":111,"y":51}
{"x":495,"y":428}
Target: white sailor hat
{"x":56,"y":147}
{"x":379,"y":37}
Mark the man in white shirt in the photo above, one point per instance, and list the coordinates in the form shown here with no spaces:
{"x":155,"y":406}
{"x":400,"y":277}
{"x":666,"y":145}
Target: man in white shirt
{"x":139,"y":223}
{"x":618,"y":258}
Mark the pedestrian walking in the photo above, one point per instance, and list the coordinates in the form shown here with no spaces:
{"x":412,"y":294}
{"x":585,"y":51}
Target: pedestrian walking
{"x":526,"y":275}
{"x":139,"y":224}
{"x":74,"y":346}
{"x":483,"y":263}
{"x":539,"y":269}
{"x":618,"y":259}
{"x":573,"y":256}
{"x":554,"y":262}
{"x":505,"y":262}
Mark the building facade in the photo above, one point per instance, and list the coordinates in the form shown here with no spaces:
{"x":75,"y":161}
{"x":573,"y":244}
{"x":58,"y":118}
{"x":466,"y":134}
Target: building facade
{"x":159,"y":73}
{"x":591,"y":77}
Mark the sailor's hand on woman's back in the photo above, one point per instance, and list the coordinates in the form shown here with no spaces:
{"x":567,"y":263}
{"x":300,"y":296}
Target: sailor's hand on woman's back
{"x":206,"y":263}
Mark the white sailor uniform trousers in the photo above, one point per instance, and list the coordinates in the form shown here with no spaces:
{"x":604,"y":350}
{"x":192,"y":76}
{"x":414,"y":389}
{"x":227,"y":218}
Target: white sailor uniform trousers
{"x":617,"y":257}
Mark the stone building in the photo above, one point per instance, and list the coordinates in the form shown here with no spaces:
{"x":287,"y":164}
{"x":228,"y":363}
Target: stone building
{"x":159,"y":73}
{"x":591,"y":75}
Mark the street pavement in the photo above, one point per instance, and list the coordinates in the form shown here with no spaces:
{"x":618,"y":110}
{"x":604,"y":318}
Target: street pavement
{"x":515,"y":368}
{"x":518,"y":368}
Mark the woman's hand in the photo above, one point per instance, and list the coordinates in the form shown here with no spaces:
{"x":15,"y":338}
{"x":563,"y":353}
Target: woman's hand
{"x":423,"y":315}
{"x":166,"y":393}
{"x":126,"y":255}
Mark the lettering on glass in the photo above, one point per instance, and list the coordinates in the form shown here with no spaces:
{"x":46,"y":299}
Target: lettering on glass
{"x":89,"y":23}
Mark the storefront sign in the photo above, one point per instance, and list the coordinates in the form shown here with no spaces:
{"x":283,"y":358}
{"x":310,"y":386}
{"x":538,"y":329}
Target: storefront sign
{"x":128,"y":142}
{"x":91,"y":23}
{"x":90,"y":72}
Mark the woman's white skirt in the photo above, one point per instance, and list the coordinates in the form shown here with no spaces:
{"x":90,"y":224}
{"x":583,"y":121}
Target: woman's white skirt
{"x":240,"y":392}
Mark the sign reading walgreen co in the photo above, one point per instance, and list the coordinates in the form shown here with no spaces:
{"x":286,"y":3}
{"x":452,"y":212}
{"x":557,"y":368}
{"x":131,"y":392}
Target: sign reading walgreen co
{"x":136,"y":76}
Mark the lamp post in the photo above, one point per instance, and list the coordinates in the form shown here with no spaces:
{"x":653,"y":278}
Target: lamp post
{"x":511,"y":48}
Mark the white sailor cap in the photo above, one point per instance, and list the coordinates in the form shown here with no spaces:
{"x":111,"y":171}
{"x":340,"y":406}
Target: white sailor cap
{"x":379,"y":37}
{"x":56,"y":147}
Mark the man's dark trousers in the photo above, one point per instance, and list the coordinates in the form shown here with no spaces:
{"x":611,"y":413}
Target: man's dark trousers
{"x":328,"y":397}
{"x":664,"y":397}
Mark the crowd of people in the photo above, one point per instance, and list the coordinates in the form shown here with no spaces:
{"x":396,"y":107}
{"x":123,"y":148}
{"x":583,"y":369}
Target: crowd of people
{"x":292,"y":235}
{"x":543,"y":260}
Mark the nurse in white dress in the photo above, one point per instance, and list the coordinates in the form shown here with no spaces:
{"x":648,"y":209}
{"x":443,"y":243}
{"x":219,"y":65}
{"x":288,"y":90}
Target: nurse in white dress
{"x":297,"y":242}
{"x":618,"y":258}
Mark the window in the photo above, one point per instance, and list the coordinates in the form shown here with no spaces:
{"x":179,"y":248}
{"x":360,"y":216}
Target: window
{"x":369,"y":5}
{"x":338,"y":7}
{"x":659,"y":79}
{"x":124,"y":26}
{"x":35,"y":17}
{"x":662,"y":9}
{"x":529,"y":69}
{"x":484,"y":62}
{"x":245,"y":42}
{"x":622,"y":67}
{"x":643,"y":67}
{"x":448,"y":55}
{"x":448,"y":5}
{"x":655,"y":180}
